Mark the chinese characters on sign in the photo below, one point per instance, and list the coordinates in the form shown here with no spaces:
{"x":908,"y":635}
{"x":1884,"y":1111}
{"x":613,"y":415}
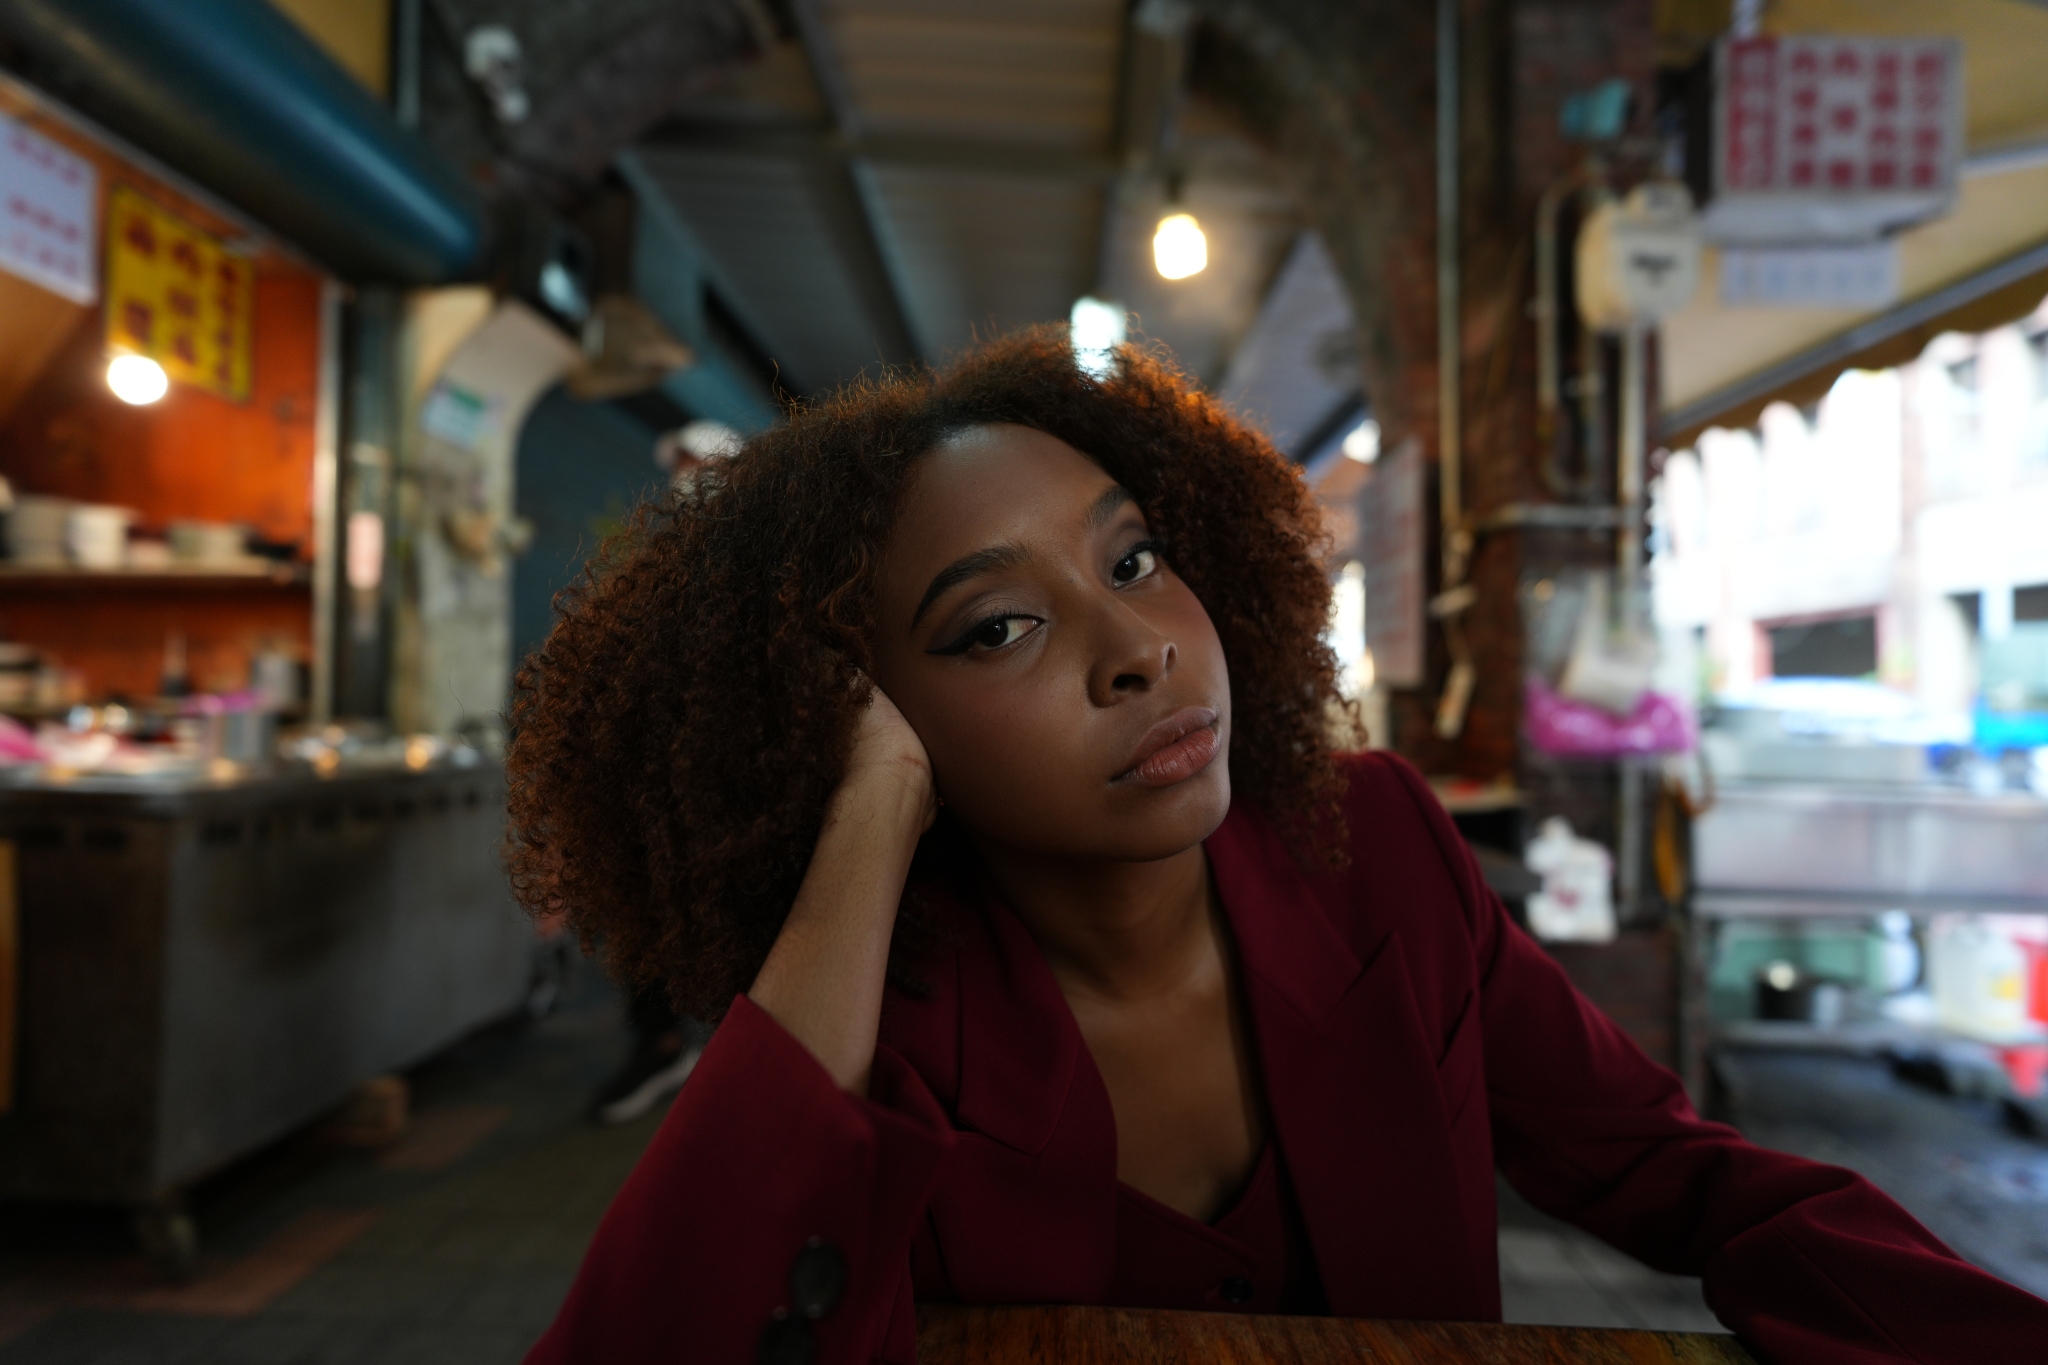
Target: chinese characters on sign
{"x":47,"y":199}
{"x":176,"y":295}
{"x":1840,"y":115}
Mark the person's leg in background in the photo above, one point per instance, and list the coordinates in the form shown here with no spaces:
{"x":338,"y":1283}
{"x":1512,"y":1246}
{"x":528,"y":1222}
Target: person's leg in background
{"x":666,"y":1046}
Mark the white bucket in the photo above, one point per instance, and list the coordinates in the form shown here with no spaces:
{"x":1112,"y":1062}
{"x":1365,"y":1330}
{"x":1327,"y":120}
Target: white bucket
{"x":36,"y":529}
{"x":97,"y":536}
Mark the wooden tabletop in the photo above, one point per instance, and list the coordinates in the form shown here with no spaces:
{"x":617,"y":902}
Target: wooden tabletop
{"x":951,"y":1335}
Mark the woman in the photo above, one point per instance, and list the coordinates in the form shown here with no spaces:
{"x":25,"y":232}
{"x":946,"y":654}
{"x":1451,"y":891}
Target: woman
{"x":964,"y":742}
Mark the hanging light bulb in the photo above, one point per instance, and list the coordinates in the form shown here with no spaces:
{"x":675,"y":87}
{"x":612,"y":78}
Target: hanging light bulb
{"x":1178,"y":247}
{"x":1097,"y":327}
{"x":137,"y":379}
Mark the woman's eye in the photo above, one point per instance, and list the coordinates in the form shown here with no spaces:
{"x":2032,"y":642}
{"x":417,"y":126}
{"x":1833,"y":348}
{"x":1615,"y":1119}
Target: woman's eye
{"x":992,"y":634}
{"x":998,"y":631}
{"x":1139,"y":563}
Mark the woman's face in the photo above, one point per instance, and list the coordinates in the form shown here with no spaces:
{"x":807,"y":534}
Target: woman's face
{"x":1068,"y":687}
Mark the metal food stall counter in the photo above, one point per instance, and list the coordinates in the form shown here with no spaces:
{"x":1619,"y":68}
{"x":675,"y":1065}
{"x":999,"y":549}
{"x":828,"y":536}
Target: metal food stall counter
{"x":1808,"y":848}
{"x":206,"y":965}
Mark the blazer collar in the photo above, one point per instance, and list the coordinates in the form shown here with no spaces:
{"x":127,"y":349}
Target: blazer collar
{"x":1019,"y":1045}
{"x":1299,"y":954}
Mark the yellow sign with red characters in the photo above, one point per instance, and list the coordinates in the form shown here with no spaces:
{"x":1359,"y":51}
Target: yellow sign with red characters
{"x":178,"y":296}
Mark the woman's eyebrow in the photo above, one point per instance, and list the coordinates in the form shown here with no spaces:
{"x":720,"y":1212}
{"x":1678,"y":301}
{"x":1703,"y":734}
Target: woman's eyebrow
{"x":966,"y":567}
{"x":1105,"y":506}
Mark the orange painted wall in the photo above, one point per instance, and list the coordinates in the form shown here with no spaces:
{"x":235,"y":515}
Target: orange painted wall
{"x":192,"y":455}
{"x":115,"y":635}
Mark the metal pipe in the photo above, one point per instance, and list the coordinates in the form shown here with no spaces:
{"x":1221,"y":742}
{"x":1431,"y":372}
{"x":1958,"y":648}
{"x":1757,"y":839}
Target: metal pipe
{"x":1457,"y":540}
{"x":235,"y":95}
{"x":1629,"y":471}
{"x":1630,"y":836}
{"x":326,"y":505}
{"x":1448,"y":339}
{"x":1548,"y":380}
{"x":405,"y":63}
{"x":1550,"y":310}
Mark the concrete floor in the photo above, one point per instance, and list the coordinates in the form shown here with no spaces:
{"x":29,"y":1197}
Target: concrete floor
{"x":455,"y":1245}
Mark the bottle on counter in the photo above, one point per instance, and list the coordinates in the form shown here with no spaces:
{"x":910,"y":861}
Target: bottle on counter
{"x":177,"y":680}
{"x":1979,"y":977}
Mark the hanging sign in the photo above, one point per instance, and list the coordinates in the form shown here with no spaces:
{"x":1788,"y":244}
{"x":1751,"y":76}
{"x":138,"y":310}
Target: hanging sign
{"x":178,"y":296}
{"x":1833,"y":138}
{"x":47,"y":198}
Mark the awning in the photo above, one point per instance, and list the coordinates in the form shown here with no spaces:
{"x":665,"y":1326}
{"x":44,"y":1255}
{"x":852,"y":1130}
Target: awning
{"x":1984,"y":265}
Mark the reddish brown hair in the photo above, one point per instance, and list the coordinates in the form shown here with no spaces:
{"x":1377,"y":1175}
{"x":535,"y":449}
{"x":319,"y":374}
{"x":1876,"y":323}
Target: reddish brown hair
{"x":676,"y":739}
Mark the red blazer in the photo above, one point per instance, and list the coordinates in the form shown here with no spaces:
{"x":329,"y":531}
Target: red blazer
{"x":1411,"y":1040}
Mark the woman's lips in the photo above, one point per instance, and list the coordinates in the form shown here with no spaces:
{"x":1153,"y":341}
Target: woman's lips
{"x":1174,"y":750}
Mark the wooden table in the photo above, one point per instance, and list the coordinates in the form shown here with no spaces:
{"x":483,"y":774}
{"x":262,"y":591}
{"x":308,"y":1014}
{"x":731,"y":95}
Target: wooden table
{"x":950,"y":1335}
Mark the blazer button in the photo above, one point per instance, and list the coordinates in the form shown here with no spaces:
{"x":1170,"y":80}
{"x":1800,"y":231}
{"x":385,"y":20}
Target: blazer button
{"x":817,"y":1279}
{"x":787,"y":1341}
{"x":1236,"y":1289}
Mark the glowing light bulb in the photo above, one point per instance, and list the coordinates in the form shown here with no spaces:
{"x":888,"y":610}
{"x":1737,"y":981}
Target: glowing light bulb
{"x":1097,"y":327}
{"x":1178,"y":247}
{"x":1363,"y":444}
{"x":137,"y":379}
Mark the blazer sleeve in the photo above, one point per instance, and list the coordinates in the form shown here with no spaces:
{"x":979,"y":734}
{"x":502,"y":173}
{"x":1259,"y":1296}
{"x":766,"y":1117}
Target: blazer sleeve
{"x":762,"y":1163}
{"x":1805,"y":1262}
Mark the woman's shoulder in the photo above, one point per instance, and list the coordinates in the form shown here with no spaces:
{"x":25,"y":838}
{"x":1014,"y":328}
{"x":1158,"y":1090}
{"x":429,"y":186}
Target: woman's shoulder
{"x":1391,"y":811}
{"x":1405,"y":855}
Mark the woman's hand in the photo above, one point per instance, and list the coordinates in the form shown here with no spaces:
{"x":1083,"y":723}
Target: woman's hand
{"x":823,"y":978}
{"x":888,"y":760}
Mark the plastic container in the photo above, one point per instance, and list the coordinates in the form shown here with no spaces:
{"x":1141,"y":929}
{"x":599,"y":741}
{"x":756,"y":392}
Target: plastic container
{"x":208,"y":542}
{"x":96,"y":536}
{"x":36,"y":529}
{"x":1979,"y":975}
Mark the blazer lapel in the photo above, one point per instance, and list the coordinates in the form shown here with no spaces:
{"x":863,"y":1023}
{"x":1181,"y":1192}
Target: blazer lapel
{"x":1026,"y":1211}
{"x":1351,"y":1081}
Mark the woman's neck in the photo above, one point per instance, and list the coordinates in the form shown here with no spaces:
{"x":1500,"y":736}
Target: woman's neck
{"x":1117,"y":930}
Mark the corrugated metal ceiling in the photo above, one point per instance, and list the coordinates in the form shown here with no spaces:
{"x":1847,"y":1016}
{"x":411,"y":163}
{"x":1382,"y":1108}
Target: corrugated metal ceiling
{"x":948,"y":169}
{"x":1027,"y":71}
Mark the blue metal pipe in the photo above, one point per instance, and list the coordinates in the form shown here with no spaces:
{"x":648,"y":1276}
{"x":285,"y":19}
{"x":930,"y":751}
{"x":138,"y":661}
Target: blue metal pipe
{"x":235,"y":95}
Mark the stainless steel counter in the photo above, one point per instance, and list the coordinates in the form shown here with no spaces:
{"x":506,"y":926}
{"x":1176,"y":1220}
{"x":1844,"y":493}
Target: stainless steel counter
{"x":1808,"y":849}
{"x":208,"y":963}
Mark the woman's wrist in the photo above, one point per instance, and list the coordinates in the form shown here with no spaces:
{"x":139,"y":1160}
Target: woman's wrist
{"x":894,"y":795}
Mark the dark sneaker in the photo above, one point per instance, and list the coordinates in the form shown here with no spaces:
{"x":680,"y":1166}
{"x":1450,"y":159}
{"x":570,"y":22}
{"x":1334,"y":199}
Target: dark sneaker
{"x":649,"y":1077}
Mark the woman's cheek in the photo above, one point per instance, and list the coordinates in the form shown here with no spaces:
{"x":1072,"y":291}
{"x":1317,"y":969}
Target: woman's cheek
{"x":1005,"y":750}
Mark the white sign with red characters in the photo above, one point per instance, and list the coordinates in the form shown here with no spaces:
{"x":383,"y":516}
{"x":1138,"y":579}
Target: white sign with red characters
{"x":48,"y":201}
{"x":1833,"y":139}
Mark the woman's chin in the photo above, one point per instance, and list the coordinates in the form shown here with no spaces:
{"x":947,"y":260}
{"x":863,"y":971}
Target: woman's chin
{"x":1119,"y":823}
{"x":1150,"y":823}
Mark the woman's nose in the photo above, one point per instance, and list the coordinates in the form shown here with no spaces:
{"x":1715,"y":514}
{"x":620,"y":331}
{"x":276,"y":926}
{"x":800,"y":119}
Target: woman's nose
{"x":1132,"y":658}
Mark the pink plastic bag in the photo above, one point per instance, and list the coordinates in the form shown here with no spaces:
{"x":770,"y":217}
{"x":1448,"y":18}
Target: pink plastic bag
{"x":1573,"y":729}
{"x":17,"y":744}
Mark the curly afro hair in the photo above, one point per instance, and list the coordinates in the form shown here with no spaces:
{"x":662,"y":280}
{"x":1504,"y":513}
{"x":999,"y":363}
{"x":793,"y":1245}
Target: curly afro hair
{"x":675,"y":741}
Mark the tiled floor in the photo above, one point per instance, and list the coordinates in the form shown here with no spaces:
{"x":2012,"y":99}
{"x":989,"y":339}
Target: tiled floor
{"x":1552,"y":1273}
{"x":1954,"y":1163}
{"x":455,"y":1245}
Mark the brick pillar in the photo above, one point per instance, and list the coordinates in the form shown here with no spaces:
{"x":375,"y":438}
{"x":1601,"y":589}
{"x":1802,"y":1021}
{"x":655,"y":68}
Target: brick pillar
{"x":1345,"y":94}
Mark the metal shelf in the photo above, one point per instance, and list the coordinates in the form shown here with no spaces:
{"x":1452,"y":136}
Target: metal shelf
{"x":264,"y":574}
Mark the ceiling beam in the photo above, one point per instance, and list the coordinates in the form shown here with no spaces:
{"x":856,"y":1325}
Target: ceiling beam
{"x":794,"y":141}
{"x":853,"y":203}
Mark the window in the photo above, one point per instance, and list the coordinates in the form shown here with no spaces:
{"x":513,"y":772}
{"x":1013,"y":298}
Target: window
{"x":1843,"y":648}
{"x":1971,"y":605}
{"x":2030,"y":603}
